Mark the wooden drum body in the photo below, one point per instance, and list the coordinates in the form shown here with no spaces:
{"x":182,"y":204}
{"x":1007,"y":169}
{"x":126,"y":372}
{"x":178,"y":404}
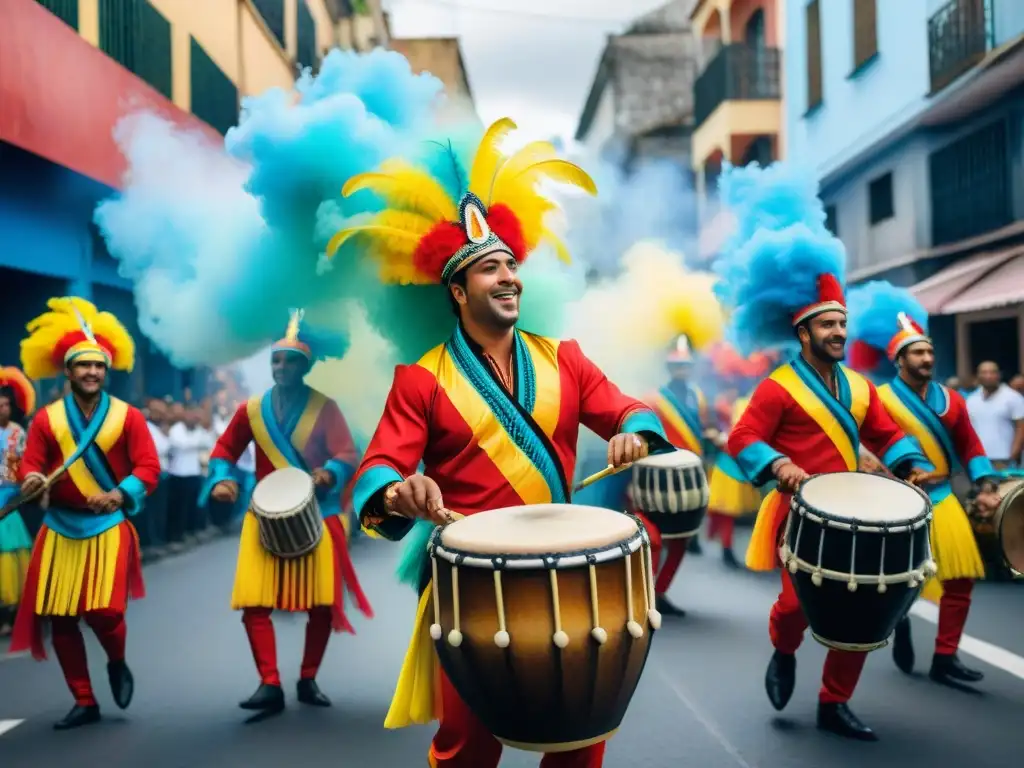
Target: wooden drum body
{"x":284,"y":503}
{"x":858,"y":550}
{"x":543,"y":618}
{"x":1008,"y":522}
{"x":671,"y":489}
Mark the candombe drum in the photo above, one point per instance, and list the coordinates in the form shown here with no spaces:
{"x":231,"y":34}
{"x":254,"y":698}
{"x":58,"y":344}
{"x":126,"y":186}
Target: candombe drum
{"x":671,"y":489}
{"x":858,"y":550}
{"x":284,"y":503}
{"x":1008,"y":522}
{"x":543,"y":618}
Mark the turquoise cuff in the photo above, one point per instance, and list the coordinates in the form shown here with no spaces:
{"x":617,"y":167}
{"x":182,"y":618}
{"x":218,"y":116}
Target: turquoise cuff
{"x":903,"y":450}
{"x":134,"y":493}
{"x":756,"y":461}
{"x":643,"y":420}
{"x":218,"y":470}
{"x":342,"y":474}
{"x":979,"y":468}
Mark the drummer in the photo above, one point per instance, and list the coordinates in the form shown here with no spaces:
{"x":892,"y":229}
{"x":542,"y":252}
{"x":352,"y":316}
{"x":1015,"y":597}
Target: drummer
{"x":494,"y":412}
{"x":292,"y":425}
{"x":809,"y":416}
{"x":888,"y":326}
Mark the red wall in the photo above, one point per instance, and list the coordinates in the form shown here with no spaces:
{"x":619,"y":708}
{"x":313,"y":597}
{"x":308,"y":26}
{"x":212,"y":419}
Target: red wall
{"x":61,"y":98}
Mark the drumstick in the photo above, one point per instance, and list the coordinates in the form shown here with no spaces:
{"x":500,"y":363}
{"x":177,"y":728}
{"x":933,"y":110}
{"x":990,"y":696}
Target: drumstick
{"x":606,"y":472}
{"x":24,"y":498}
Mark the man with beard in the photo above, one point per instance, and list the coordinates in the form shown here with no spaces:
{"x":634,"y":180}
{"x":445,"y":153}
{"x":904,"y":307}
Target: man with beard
{"x":292,"y":425}
{"x":94,"y":457}
{"x":889,"y":328}
{"x":805,"y":419}
{"x":494,"y":412}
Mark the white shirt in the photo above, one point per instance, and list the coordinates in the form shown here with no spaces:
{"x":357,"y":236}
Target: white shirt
{"x":993,"y":418}
{"x":186,"y":447}
{"x":162,"y":443}
{"x":247,"y":461}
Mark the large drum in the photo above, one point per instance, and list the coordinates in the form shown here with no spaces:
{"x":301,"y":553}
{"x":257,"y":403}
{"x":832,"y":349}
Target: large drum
{"x":284,"y":503}
{"x":1008,"y":522}
{"x":671,"y":489}
{"x":543,"y":617}
{"x":857,"y":546}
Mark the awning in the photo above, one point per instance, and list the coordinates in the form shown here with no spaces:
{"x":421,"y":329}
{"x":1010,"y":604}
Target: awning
{"x":982,"y":281}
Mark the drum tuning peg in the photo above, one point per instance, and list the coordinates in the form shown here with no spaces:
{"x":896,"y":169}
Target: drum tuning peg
{"x":852,"y":585}
{"x":502,"y":639}
{"x":600,"y":635}
{"x":654,"y":617}
{"x":560,"y":639}
{"x":455,"y":638}
{"x":816,"y":578}
{"x":882,"y":588}
{"x":930,"y":568}
{"x":793,"y":567}
{"x":435,"y":632}
{"x":635,"y":630}
{"x":913,"y":583}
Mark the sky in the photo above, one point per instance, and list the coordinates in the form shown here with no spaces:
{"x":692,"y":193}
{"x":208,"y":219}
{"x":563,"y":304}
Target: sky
{"x":531,"y":60}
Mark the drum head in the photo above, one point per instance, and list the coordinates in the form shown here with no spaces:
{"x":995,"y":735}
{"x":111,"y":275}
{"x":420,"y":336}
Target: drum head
{"x":538,"y":529}
{"x":674,"y":460}
{"x":282,"y":491}
{"x":864,"y":498}
{"x":1011,"y":525}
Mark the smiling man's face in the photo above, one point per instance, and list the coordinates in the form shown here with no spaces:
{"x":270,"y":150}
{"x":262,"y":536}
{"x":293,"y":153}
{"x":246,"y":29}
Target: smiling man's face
{"x":492,"y":291}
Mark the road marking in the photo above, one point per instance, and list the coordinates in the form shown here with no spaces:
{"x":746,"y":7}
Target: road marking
{"x":979,"y":649}
{"x":709,"y":726}
{"x":9,"y":725}
{"x":13,"y":656}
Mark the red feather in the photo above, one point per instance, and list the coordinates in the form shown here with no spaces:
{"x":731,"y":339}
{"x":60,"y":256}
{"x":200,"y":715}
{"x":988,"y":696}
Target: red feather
{"x":436,"y":247}
{"x":862,"y":357}
{"x":76,"y":337}
{"x":505,"y":224}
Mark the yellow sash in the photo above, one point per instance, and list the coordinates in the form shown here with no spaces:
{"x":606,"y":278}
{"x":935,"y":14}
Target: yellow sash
{"x":912,"y":425}
{"x":667,"y":412}
{"x":112,"y":429}
{"x":299,"y":438}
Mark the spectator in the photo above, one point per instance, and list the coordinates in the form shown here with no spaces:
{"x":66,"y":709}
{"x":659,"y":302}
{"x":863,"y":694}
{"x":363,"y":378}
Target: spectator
{"x":1017,"y":383}
{"x":997,"y":413}
{"x":188,"y":440}
{"x":153,"y":537}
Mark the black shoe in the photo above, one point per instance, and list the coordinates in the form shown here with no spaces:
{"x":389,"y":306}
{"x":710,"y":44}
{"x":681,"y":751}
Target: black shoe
{"x":268,"y":698}
{"x":694,"y":547}
{"x":947,"y":668}
{"x":903,"y":647}
{"x":309,"y":693}
{"x":122,"y":683}
{"x":838,"y":719}
{"x":780,"y":679}
{"x":666,"y":608}
{"x":77,"y":717}
{"x":729,"y":558}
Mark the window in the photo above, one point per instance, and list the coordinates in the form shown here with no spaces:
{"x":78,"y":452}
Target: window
{"x":831,"y":222}
{"x":865,"y":32}
{"x":306,"y":51}
{"x":880,"y":202}
{"x":135,"y":35}
{"x":272,"y":12}
{"x":65,"y":10}
{"x":814,"y":80}
{"x":214,"y":96}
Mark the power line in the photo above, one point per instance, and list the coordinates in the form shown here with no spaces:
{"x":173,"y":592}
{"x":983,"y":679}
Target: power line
{"x":515,"y":12}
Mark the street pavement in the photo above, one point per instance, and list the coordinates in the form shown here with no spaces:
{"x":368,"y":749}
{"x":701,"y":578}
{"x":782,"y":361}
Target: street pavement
{"x":701,"y":702}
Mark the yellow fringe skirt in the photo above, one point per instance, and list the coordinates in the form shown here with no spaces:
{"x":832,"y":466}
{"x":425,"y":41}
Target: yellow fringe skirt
{"x":13,"y":570}
{"x":263,"y":580}
{"x":732,"y":497}
{"x":954,"y":548}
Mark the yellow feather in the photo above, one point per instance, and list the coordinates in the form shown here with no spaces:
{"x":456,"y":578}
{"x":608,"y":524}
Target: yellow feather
{"x":489,"y":158}
{"x":406,"y":187}
{"x":556,"y":242}
{"x":373,"y":230}
{"x":533,"y":153}
{"x":561,"y":171}
{"x":47,"y":331}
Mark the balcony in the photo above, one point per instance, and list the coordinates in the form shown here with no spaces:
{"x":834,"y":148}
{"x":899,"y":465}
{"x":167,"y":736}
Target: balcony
{"x":960,"y":34}
{"x":738,"y":72}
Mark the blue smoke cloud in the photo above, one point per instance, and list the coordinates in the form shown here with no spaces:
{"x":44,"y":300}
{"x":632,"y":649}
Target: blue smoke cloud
{"x":874,"y":308}
{"x":769,"y":268}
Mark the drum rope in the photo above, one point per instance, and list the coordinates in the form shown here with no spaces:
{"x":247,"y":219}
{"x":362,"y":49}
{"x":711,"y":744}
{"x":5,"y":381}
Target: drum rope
{"x":455,"y":636}
{"x":560,"y":638}
{"x":435,"y":631}
{"x":911,"y":578}
{"x":501,"y":637}
{"x":816,"y":576}
{"x":598,"y":633}
{"x":852,"y":583}
{"x":881,"y":568}
{"x":653,"y":616}
{"x":913,"y":582}
{"x":634,"y":628}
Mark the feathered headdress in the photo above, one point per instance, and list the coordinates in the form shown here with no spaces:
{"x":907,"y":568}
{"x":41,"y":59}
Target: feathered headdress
{"x":426,"y":236}
{"x":311,"y":343}
{"x":884,"y":320}
{"x":695,"y":315}
{"x":75,"y":331}
{"x":781,"y":266}
{"x":728,"y":363}
{"x":24,"y":393}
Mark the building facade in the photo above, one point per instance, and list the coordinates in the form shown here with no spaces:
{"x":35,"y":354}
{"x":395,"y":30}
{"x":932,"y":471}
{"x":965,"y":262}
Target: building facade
{"x":738,"y":114}
{"x":69,"y":70}
{"x":910,"y":113}
{"x":441,"y":57}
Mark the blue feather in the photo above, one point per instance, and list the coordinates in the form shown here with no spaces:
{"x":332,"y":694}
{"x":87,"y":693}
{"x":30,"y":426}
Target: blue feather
{"x":769,"y":267}
{"x":874,"y":308}
{"x":324,"y":344}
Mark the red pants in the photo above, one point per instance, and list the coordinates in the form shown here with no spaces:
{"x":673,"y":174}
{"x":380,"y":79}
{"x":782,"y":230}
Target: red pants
{"x":953,"y":609}
{"x":462,"y":741}
{"x":722,"y":527}
{"x":69,"y":645}
{"x":675,"y":550}
{"x":260,"y":629}
{"x":786,"y":627}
